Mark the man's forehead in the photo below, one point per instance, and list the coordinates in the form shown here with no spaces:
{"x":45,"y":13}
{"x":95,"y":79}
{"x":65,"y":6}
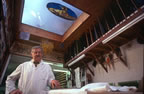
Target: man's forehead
{"x":36,"y":49}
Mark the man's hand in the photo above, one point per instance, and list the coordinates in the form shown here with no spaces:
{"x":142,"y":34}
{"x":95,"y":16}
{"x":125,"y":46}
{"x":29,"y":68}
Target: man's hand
{"x":16,"y":91}
{"x":55,"y":84}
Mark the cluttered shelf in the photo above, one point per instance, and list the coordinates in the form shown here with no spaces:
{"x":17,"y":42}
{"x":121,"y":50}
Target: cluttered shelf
{"x":128,"y":29}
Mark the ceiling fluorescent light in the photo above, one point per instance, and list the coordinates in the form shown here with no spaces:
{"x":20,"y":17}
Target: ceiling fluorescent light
{"x":50,"y":63}
{"x":60,"y":70}
{"x":76,"y":60}
{"x":133,"y":22}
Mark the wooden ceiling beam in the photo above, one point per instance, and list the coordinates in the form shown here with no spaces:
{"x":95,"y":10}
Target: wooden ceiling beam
{"x":101,"y":49}
{"x":82,"y":18}
{"x":123,"y":38}
{"x":40,"y":33}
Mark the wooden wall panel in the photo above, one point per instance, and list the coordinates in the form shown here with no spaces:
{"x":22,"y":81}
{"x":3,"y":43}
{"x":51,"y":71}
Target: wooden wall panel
{"x":25,"y":49}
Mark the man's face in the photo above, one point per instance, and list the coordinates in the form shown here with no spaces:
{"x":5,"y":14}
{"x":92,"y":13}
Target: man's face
{"x":36,"y":54}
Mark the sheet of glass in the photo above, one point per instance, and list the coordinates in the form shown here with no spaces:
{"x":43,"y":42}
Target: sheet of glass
{"x":37,"y":14}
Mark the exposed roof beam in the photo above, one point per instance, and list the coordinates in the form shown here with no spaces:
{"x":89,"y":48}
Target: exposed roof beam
{"x":75,"y":25}
{"x":40,"y":32}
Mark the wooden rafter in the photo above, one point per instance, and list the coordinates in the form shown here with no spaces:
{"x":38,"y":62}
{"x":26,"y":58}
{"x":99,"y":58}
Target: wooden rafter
{"x":123,"y":38}
{"x":118,"y":55}
{"x":97,"y":60}
{"x":40,"y":33}
{"x":88,"y":67}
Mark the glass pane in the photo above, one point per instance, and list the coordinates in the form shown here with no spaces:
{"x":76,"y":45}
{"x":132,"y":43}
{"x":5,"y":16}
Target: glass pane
{"x":127,"y":7}
{"x":98,"y":31}
{"x":80,"y":45}
{"x":93,"y":34}
{"x":110,"y":20}
{"x":116,"y":12}
{"x":72,"y":50}
{"x":66,"y":57}
{"x":69,"y":53}
{"x":103,"y":25}
{"x":75,"y":48}
{"x":89,"y":38}
{"x":83,"y":40}
{"x":139,"y":3}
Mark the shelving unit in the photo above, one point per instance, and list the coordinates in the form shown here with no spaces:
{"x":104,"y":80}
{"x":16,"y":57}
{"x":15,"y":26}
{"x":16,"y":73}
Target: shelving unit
{"x":61,"y":77}
{"x":105,"y":41}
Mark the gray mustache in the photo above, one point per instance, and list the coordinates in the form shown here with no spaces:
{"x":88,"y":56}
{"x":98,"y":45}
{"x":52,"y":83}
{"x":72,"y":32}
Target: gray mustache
{"x":38,"y":56}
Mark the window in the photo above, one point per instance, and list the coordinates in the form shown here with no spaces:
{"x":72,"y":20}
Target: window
{"x":117,"y":12}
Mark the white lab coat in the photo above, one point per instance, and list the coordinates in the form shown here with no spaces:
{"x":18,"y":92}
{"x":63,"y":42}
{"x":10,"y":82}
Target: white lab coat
{"x":32,"y":80}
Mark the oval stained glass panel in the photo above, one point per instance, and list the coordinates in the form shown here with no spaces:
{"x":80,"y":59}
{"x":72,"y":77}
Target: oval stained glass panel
{"x":61,"y":11}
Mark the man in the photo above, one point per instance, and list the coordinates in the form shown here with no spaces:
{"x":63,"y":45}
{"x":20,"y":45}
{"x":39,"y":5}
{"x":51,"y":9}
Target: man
{"x":34,"y":76}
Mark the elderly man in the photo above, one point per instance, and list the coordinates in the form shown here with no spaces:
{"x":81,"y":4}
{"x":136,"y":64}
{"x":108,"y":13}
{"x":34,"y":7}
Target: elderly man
{"x":34,"y":76}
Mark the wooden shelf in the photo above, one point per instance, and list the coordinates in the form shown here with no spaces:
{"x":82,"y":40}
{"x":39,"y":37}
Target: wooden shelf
{"x":125,"y":31}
